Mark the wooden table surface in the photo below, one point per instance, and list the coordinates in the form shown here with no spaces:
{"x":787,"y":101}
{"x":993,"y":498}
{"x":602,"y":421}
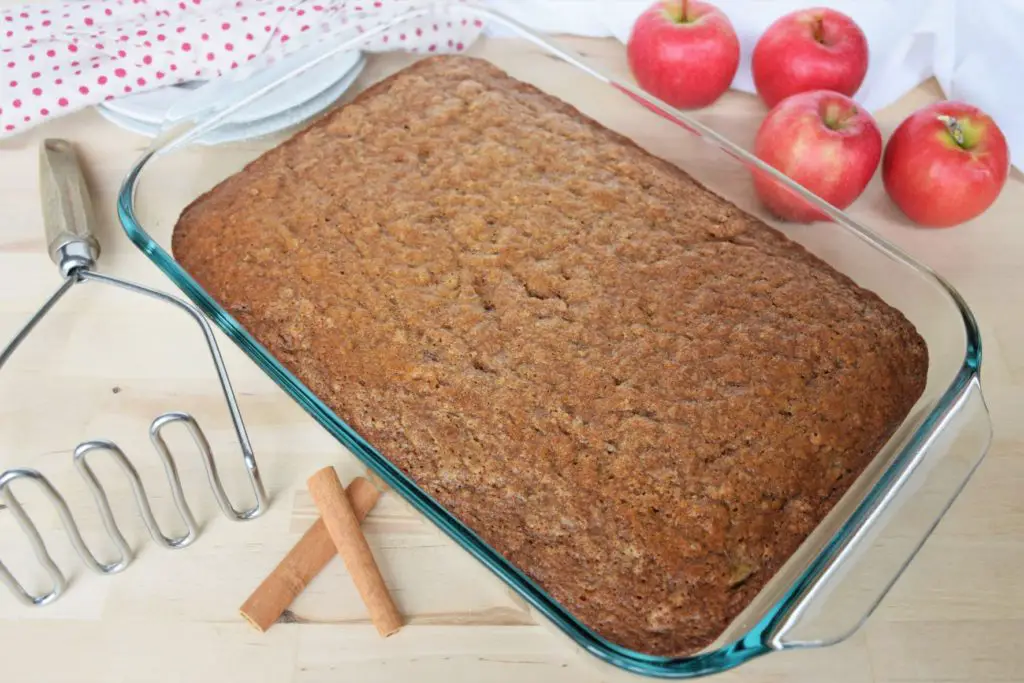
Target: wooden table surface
{"x":105,"y":363}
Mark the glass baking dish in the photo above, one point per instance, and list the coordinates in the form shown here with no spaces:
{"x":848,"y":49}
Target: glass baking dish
{"x":845,"y":567}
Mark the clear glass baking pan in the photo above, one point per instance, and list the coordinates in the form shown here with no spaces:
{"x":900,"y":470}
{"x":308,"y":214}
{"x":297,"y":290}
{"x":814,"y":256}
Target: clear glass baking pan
{"x":844,"y":569}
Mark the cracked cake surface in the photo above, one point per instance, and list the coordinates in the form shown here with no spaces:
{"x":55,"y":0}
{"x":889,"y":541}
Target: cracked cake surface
{"x":641,"y":396}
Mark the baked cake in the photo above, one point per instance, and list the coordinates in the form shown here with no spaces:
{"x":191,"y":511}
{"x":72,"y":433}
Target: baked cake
{"x":641,"y":396}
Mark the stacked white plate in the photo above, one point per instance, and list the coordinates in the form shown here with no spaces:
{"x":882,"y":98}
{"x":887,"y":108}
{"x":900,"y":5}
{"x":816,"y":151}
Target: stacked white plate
{"x":293,"y":102}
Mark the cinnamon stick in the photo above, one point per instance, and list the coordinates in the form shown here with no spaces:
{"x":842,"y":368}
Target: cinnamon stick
{"x":302,"y":563}
{"x":343,"y":526}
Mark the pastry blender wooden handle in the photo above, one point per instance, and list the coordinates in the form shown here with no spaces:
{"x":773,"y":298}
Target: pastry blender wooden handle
{"x":67,"y":207}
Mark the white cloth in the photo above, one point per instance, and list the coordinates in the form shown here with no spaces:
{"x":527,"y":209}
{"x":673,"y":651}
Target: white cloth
{"x":974,"y":48}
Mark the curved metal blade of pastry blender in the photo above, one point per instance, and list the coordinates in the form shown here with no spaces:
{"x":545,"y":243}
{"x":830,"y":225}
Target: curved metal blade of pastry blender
{"x":67,"y":214}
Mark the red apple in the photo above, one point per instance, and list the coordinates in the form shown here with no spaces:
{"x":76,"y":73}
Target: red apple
{"x":811,"y":49}
{"x":945,"y":164}
{"x":684,"y":52}
{"x":822,"y":140}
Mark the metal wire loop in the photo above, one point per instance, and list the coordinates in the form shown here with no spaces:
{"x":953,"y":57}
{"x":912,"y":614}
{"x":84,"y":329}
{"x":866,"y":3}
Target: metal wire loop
{"x":82,"y":455}
{"x":39,"y":546}
{"x":141,"y":498}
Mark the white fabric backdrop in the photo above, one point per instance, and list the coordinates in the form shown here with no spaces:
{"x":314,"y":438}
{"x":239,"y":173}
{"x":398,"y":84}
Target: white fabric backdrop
{"x":974,"y":48}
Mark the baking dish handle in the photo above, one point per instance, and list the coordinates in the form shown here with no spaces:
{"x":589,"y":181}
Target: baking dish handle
{"x":841,"y":591}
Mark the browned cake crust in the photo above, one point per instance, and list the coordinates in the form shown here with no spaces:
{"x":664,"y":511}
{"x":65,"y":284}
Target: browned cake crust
{"x":640,"y":395}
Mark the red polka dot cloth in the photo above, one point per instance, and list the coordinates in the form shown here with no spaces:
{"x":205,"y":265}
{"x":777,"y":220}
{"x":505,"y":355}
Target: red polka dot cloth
{"x":59,"y":57}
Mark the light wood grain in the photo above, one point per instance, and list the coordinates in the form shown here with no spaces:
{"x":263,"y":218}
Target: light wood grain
{"x":108,"y":363}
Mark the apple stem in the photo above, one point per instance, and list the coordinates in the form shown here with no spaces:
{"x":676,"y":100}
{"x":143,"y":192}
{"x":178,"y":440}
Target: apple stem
{"x":953,"y":126}
{"x":684,"y":17}
{"x":819,"y":30}
{"x":835,"y":118}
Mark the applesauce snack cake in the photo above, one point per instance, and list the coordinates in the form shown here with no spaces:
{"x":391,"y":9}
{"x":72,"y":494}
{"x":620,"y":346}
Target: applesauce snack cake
{"x":640,"y":395}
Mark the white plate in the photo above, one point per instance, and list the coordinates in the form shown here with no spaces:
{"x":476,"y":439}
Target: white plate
{"x":233,"y":132}
{"x":187,"y":99}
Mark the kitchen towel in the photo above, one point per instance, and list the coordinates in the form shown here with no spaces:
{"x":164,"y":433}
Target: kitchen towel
{"x":58,"y":57}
